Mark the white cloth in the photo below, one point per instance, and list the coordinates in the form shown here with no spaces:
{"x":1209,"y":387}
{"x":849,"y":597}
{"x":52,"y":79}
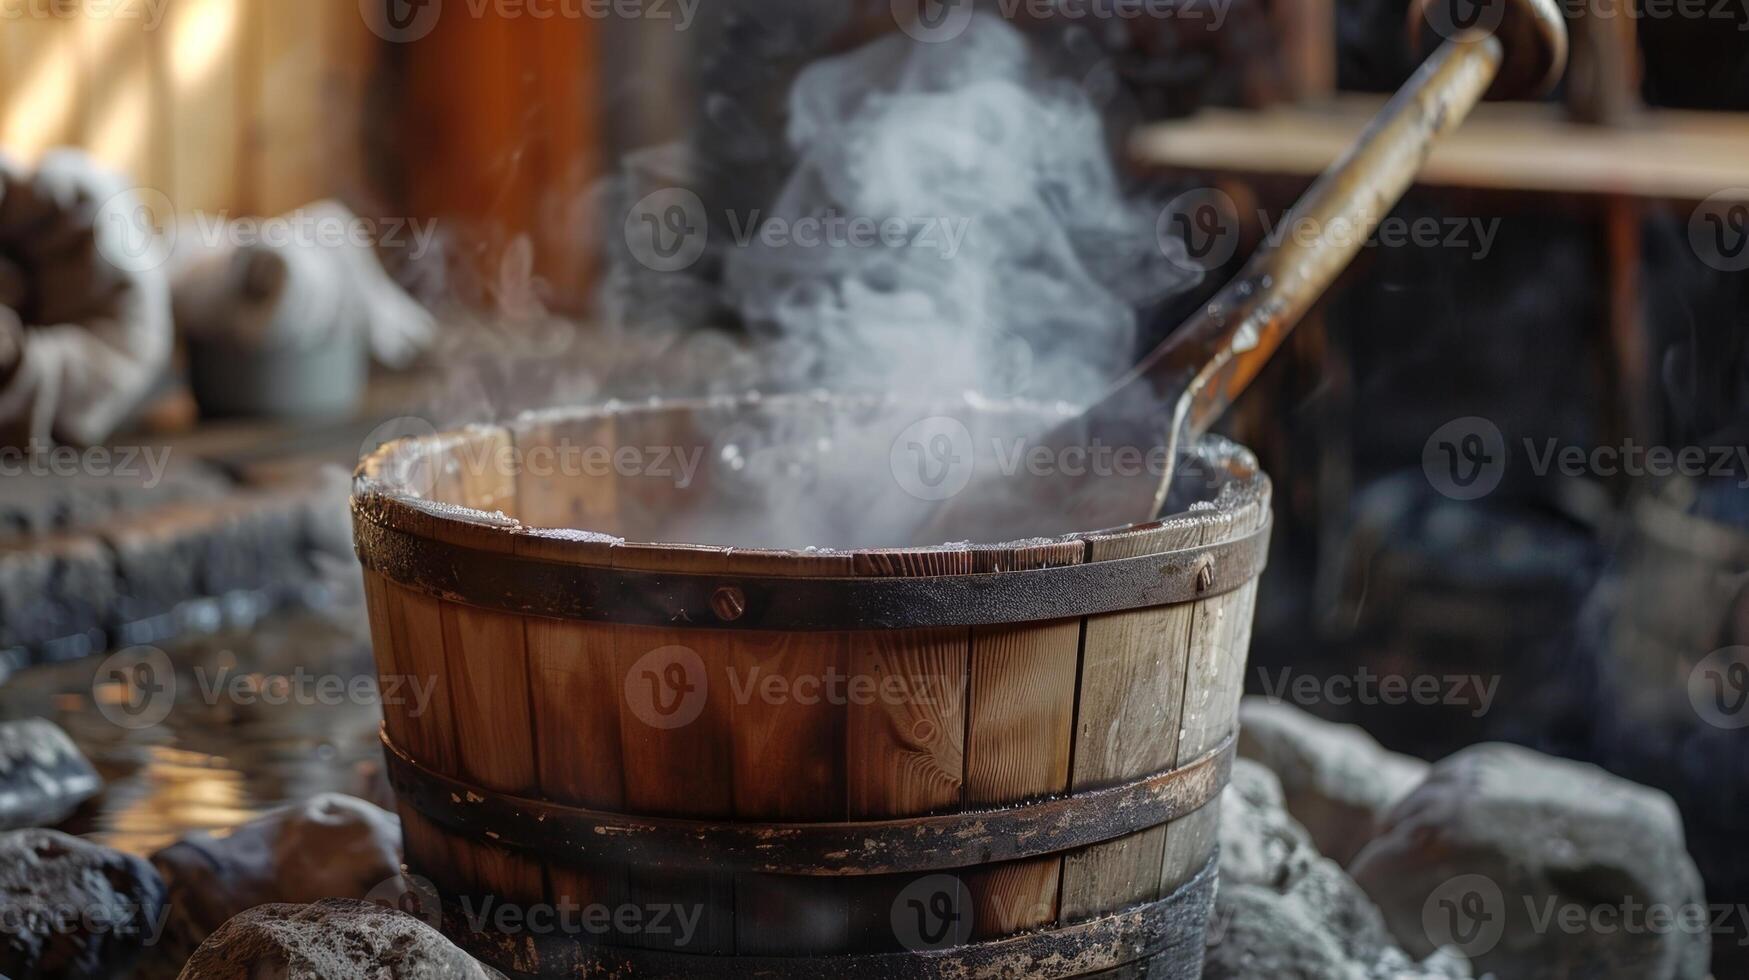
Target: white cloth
{"x":85,"y":330}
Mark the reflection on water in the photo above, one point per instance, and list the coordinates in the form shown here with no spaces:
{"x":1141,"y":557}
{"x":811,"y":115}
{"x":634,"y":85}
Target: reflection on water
{"x":256,"y":718}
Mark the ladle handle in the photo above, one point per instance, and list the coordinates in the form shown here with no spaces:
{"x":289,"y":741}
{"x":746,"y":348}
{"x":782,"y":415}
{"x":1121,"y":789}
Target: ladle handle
{"x":1210,"y":359}
{"x":1213,"y":357}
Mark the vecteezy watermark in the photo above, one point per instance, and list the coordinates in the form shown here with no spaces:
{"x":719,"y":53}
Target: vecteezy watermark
{"x":669,"y":687}
{"x":129,"y":238}
{"x":1465,"y":459}
{"x":1471,"y":913}
{"x":675,"y":466}
{"x":1634,"y":460}
{"x":669,"y":231}
{"x":674,"y":923}
{"x":1365,"y":687}
{"x":305,"y":228}
{"x":1467,"y":913}
{"x":412,"y":894}
{"x":1458,"y":19}
{"x":135,"y":688}
{"x":1735,"y":11}
{"x":126,"y":229}
{"x":138,"y":688}
{"x":150,"y":13}
{"x":939,"y":21}
{"x":933,"y":913}
{"x":228,"y":685}
{"x":1200,"y":230}
{"x":1718,"y":231}
{"x":935,"y":458}
{"x":119,"y":921}
{"x":1718,"y":688}
{"x":406,"y":21}
{"x":146,"y":464}
{"x":421,"y":480}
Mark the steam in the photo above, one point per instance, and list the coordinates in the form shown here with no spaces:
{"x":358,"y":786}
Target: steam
{"x":1020,"y":264}
{"x":949,"y":229}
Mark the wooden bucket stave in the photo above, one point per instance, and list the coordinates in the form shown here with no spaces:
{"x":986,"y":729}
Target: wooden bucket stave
{"x":1087,"y":666}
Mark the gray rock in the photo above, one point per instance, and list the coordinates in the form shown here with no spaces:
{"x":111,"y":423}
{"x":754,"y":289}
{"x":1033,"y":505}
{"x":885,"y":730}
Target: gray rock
{"x":329,"y":846}
{"x":43,"y":775}
{"x":1539,"y":868}
{"x":73,"y":910}
{"x":334,"y":939}
{"x":1260,"y":843}
{"x":1337,"y":781}
{"x":1287,"y":913}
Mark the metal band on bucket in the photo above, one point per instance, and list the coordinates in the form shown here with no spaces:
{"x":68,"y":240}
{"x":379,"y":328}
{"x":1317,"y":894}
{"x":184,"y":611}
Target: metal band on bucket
{"x":1160,"y":939}
{"x":566,"y":834}
{"x":597,"y":593}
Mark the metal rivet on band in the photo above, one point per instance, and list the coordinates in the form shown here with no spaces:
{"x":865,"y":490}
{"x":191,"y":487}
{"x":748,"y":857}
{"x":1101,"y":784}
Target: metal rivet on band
{"x":1205,"y":576}
{"x":729,"y":603}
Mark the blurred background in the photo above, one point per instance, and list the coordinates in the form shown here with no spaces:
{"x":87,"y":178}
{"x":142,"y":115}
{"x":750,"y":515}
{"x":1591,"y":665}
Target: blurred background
{"x":1508,"y":448}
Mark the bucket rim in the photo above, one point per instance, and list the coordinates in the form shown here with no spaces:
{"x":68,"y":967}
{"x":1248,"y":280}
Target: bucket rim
{"x":381,"y":496}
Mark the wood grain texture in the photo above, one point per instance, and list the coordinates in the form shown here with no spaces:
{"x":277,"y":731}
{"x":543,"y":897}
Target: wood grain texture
{"x":765,"y":727}
{"x":293,"y":143}
{"x":425,"y":846}
{"x":905,"y":755}
{"x":1127,"y":724}
{"x":580,"y":491}
{"x":487,"y":658}
{"x":1215,"y":679}
{"x":677,"y":743}
{"x":127,"y":115}
{"x":478,"y":470}
{"x":45,"y":100}
{"x":1666,"y":155}
{"x":576,"y":703}
{"x":416,"y":628}
{"x":205,"y":47}
{"x":1020,"y":736}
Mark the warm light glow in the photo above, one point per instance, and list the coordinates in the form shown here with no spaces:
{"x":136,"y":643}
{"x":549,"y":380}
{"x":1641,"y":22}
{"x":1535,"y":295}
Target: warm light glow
{"x":40,"y":112}
{"x":201,"y":35}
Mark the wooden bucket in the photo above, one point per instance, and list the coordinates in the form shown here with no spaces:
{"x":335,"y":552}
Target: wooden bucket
{"x":962,"y":761}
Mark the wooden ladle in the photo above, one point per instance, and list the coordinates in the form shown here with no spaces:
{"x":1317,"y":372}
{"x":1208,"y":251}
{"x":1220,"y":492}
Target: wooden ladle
{"x":1500,"y":47}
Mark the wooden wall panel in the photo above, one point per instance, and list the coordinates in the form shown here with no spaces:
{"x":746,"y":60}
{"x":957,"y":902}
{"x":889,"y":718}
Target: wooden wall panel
{"x":238,"y":106}
{"x":44,"y":86}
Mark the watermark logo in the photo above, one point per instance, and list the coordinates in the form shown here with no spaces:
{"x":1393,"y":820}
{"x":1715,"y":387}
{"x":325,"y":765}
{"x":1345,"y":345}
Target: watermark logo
{"x":1458,"y":20}
{"x":1467,"y":913}
{"x":1718,"y":688}
{"x":1719,"y":230}
{"x":668,"y":230}
{"x":401,"y":21}
{"x":146,"y":464}
{"x":933,"y":913}
{"x":1199,"y":230}
{"x":127,"y":230}
{"x":422,"y":479}
{"x":1465,"y":459}
{"x":411,"y":894}
{"x":667,"y":688}
{"x":933,"y":21}
{"x":150,"y":13}
{"x":933,"y":459}
{"x":1367,"y":687}
{"x":135,"y":689}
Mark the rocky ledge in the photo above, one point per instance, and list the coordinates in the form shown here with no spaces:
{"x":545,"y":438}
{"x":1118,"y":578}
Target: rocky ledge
{"x":1495,"y":862}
